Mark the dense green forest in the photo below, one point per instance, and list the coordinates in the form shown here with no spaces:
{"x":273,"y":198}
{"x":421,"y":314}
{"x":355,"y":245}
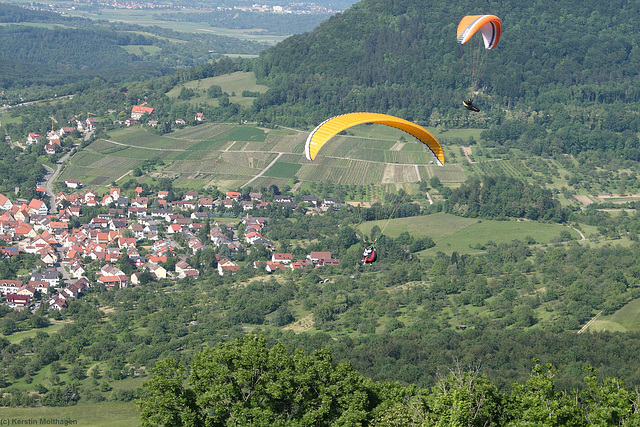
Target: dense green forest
{"x":554,"y":60}
{"x":19,"y":170}
{"x":246,"y":382}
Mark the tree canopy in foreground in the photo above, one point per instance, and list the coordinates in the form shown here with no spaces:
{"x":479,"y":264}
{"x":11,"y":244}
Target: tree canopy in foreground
{"x":245,"y":382}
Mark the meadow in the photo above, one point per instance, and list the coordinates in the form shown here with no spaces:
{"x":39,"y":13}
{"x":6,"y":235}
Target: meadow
{"x":467,"y":235}
{"x":623,"y":320}
{"x":233,"y":84}
{"x":108,"y":414}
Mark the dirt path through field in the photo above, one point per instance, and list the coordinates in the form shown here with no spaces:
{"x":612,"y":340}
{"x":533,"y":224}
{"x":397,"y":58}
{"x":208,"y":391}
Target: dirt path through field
{"x":389,"y":174}
{"x":262,"y":171}
{"x":467,"y":153}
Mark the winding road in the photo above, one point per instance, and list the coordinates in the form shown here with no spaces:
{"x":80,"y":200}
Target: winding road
{"x":50,"y":179}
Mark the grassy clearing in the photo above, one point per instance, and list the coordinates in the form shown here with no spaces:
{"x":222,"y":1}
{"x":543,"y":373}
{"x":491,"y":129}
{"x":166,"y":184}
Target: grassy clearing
{"x":625,"y":319}
{"x":141,"y":50}
{"x":452,"y":233}
{"x":19,"y":336}
{"x":233,"y":84}
{"x":112,"y":414}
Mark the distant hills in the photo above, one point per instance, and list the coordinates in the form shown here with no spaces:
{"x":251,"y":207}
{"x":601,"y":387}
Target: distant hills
{"x":402,"y":56}
{"x":45,"y":48}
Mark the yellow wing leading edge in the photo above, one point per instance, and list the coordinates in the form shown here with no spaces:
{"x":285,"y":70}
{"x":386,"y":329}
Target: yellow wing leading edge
{"x":331,"y":127}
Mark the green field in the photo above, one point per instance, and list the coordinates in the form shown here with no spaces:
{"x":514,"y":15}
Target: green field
{"x":95,"y":414}
{"x":452,"y":233}
{"x":283,"y":170}
{"x":19,"y":336}
{"x":623,"y":320}
{"x":233,"y":84}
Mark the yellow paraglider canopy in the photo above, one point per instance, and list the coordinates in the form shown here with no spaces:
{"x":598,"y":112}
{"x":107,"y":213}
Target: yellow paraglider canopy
{"x":329,"y":128}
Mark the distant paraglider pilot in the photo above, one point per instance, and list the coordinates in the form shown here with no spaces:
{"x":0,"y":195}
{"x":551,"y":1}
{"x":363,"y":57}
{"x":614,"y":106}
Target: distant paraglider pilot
{"x":370,"y":255}
{"x":469,"y":105}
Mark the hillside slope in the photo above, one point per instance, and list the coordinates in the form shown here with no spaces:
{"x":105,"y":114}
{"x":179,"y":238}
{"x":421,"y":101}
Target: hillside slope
{"x":402,"y":56}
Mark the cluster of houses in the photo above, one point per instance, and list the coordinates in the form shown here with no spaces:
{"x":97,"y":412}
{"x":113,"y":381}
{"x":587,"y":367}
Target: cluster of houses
{"x":142,"y":110}
{"x":28,"y":227}
{"x":53,"y":137}
{"x":19,"y":295}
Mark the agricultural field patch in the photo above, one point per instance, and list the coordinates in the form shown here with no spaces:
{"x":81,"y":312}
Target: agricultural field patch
{"x":251,"y":160}
{"x":143,"y":139}
{"x":210,"y":144}
{"x":86,"y":158}
{"x":200,"y":132}
{"x":247,"y":133}
{"x":626,"y":318}
{"x":218,"y":167}
{"x":283,"y":170}
{"x":463,"y":235}
{"x":454,"y":173}
{"x":290,"y":142}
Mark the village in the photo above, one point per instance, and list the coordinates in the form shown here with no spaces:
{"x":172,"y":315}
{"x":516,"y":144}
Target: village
{"x":66,"y":254}
{"x":143,"y":229}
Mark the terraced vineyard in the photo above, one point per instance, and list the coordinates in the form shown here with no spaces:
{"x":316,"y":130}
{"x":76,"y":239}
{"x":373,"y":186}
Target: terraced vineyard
{"x":229,"y":156}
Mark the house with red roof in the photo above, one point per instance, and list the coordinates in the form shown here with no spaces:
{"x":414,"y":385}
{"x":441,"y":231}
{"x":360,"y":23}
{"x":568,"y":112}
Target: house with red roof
{"x":5,"y":203}
{"x":33,"y":138}
{"x":270,"y":267}
{"x":38,"y":207}
{"x":227,"y":266}
{"x":174,"y":228}
{"x":114,"y":281}
{"x":252,"y":237}
{"x":58,"y":302}
{"x":283,"y":258}
{"x":18,"y":301}
{"x":140,"y":110}
{"x":10,"y":286}
{"x":185,"y":270}
{"x":40,"y":286}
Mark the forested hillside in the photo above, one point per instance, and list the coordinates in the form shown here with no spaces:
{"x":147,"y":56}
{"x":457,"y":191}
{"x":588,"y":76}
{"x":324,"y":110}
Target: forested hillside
{"x":403,"y":57}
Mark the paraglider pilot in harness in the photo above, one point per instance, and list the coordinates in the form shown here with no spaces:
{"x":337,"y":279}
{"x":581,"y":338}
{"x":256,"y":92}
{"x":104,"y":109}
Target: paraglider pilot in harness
{"x":469,"y":105}
{"x":370,"y":255}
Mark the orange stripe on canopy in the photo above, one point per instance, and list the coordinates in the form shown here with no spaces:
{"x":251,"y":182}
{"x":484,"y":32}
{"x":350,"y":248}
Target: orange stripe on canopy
{"x":490,"y":26}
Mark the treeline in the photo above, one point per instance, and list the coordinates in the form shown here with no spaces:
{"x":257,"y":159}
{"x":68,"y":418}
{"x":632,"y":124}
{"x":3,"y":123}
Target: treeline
{"x":615,"y":135}
{"x":19,"y":171}
{"x":250,"y":383}
{"x":504,"y":197}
